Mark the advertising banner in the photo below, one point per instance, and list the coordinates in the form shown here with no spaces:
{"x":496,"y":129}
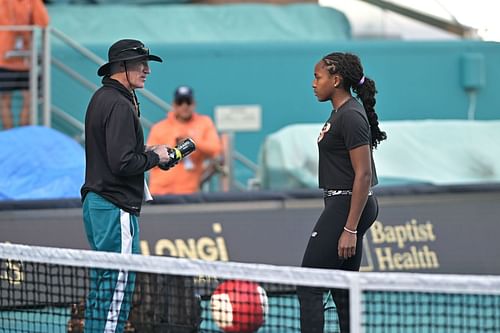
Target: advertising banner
{"x":432,"y":233}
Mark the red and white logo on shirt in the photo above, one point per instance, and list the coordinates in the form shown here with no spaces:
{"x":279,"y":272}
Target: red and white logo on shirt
{"x":324,"y":130}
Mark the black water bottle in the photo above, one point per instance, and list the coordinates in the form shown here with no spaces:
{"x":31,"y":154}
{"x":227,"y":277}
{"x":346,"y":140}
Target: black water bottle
{"x":176,"y":154}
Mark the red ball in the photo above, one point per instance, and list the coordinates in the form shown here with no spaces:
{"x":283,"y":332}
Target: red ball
{"x":239,"y":306}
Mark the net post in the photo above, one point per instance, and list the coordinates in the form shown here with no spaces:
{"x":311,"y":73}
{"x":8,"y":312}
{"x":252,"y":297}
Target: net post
{"x":355,"y":305}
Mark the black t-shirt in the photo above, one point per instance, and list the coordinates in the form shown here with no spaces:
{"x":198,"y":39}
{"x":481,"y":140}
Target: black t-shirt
{"x":346,"y":129}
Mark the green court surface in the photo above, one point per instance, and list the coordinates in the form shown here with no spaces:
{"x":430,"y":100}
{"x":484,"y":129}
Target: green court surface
{"x":37,"y":320}
{"x":383,"y":312}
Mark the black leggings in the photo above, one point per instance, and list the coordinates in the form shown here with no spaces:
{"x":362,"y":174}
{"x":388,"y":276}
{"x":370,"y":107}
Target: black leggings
{"x":322,"y":252}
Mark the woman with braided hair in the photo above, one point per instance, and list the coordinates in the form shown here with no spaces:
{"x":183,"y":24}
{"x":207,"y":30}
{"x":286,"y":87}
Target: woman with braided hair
{"x":346,"y":175}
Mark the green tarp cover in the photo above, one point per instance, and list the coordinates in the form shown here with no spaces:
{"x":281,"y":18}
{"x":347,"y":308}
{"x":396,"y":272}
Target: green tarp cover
{"x":196,"y":23}
{"x":439,"y":152}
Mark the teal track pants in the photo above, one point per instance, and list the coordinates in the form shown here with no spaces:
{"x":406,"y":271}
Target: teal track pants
{"x":109,"y":229}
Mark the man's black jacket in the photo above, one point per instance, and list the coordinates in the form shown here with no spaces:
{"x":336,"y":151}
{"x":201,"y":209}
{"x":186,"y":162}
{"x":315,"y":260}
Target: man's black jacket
{"x":114,"y":148}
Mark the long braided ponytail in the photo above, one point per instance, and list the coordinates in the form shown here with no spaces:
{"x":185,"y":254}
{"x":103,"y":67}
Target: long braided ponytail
{"x":349,"y":67}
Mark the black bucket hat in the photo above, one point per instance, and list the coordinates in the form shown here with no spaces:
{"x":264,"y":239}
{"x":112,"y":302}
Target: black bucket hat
{"x":126,"y":49}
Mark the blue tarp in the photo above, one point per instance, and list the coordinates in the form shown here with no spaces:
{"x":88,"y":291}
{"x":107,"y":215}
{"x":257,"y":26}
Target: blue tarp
{"x":39,"y":163}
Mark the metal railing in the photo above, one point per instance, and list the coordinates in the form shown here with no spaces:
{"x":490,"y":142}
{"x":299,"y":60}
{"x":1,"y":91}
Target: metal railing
{"x":41,"y":96}
{"x":98,"y":61}
{"x":30,"y":56}
{"x":228,"y":180}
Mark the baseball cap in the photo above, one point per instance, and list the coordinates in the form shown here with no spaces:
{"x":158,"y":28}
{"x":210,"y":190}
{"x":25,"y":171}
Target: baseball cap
{"x":183,"y":93}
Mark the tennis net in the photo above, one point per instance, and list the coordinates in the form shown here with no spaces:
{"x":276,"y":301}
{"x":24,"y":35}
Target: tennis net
{"x":49,"y":290}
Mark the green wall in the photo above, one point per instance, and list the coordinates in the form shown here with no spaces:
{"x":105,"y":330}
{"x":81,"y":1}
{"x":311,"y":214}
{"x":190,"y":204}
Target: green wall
{"x":415,"y":80}
{"x":265,"y":54}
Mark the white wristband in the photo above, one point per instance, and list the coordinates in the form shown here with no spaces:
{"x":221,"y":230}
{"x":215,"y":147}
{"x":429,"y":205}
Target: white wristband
{"x":354,"y":232}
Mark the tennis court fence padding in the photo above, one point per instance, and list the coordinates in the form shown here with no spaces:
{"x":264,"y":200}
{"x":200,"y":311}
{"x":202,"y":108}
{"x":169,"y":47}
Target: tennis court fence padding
{"x":47,"y":290}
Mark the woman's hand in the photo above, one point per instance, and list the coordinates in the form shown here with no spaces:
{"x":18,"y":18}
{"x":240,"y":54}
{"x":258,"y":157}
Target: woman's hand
{"x":347,"y":245}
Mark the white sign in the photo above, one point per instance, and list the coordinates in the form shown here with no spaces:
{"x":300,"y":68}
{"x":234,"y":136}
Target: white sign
{"x":238,"y":117}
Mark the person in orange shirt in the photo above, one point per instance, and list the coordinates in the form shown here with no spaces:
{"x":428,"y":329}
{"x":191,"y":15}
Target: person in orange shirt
{"x":15,"y":47}
{"x":183,"y":122}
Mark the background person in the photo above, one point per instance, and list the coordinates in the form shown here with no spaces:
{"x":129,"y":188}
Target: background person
{"x":184,"y":122}
{"x":14,"y":61}
{"x":346,"y":174}
{"x":114,"y":187}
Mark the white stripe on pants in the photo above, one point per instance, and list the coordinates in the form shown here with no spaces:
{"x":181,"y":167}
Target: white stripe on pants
{"x":121,"y":283}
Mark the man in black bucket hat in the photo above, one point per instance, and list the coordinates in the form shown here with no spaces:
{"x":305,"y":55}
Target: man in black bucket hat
{"x":114,"y":187}
{"x":126,"y":50}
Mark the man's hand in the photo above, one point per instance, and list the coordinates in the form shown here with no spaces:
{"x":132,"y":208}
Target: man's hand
{"x":162,"y":152}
